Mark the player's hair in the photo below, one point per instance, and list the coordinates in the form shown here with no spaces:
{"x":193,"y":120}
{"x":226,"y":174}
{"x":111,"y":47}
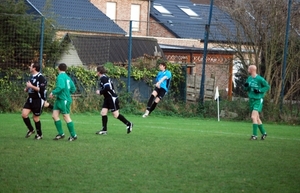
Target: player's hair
{"x":101,"y":69}
{"x":36,"y":66}
{"x":62,"y":67}
{"x":164,"y":64}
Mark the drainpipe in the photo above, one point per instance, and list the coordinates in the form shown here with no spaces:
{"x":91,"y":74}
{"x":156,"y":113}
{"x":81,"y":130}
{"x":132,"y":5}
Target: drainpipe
{"x":148,"y":17}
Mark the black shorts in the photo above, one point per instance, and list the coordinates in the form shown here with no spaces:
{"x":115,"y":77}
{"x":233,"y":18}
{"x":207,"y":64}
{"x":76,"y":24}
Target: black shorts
{"x":160,"y":92}
{"x":111,"y":103}
{"x":35,"y":105}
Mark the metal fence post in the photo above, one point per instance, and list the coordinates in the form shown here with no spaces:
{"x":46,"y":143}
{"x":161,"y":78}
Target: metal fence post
{"x":206,"y":35}
{"x":129,"y":56}
{"x":42,"y":42}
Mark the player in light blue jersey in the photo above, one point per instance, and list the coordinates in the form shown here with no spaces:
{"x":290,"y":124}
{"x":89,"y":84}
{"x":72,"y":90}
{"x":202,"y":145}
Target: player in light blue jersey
{"x":163,"y":80}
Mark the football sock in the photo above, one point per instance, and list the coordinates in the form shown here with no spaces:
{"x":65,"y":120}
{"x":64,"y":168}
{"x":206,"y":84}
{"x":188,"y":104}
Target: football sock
{"x":262,"y":129}
{"x":104,"y":122}
{"x":59,"y":127}
{"x":150,"y":101}
{"x":28,"y":123}
{"x":152,"y":107}
{"x":254,"y":126}
{"x":38,"y":128}
{"x":71,"y":129}
{"x":123,"y":119}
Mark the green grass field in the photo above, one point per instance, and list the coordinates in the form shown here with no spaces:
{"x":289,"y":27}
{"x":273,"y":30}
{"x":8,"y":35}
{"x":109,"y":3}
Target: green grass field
{"x":162,"y":154}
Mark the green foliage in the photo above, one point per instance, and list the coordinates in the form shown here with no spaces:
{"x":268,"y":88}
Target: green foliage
{"x":20,"y":35}
{"x":86,"y":78}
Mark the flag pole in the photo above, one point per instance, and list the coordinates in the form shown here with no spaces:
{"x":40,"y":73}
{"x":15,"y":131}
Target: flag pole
{"x":218,"y":109}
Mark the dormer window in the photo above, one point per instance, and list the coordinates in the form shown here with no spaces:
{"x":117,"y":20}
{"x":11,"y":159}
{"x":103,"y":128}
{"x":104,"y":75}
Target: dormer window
{"x":161,"y":9}
{"x":189,"y":12}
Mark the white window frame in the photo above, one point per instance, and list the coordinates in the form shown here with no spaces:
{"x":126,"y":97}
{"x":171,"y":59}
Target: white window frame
{"x":135,"y":15}
{"x":161,"y":9}
{"x":111,"y":10}
{"x":189,"y":11}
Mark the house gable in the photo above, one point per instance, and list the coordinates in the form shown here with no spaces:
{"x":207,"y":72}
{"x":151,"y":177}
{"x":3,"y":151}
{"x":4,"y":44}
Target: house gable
{"x":96,"y":49}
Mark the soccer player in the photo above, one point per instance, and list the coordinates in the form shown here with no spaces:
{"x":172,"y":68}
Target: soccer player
{"x":62,"y":92}
{"x":111,"y":101}
{"x":163,"y":80}
{"x":36,"y":88}
{"x":256,"y":86}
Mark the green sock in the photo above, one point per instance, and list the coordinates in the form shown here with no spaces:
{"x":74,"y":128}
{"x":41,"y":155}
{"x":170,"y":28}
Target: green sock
{"x":254,"y":126}
{"x":71,"y":128}
{"x":59,"y":127}
{"x":261,"y":128}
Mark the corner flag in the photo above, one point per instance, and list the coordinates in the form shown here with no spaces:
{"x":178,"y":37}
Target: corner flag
{"x":217,"y":93}
{"x":217,"y":96}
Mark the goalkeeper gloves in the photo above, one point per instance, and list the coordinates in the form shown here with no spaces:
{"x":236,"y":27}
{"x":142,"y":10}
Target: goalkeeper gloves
{"x":246,"y":84}
{"x":257,"y":91}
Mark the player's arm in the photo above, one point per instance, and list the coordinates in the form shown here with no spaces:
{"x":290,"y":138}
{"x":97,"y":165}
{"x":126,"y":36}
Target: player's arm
{"x":72,"y":87}
{"x":60,"y":85}
{"x":43,"y":86}
{"x":29,"y":85}
{"x":246,"y":86}
{"x":106,"y":88}
{"x":166,"y":77}
{"x":265,"y":86}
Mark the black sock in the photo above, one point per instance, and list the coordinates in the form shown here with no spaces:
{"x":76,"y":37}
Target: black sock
{"x":123,"y":119}
{"x":152,"y":107}
{"x":150,"y":101}
{"x":104,"y":123}
{"x":38,"y":128}
{"x":28,"y":123}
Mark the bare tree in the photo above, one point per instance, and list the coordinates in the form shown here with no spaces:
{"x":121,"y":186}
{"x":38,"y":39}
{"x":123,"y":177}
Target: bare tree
{"x":259,"y":37}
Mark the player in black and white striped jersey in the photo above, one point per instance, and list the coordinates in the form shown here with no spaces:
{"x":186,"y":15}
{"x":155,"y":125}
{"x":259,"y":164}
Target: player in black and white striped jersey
{"x":37,"y":94}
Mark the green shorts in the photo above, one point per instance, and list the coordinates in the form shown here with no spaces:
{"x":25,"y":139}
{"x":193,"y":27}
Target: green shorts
{"x":63,"y":106}
{"x":256,"y":104}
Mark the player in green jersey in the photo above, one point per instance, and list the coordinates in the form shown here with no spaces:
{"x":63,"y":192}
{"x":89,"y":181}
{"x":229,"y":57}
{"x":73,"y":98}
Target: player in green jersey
{"x":62,"y":92}
{"x":256,"y":86}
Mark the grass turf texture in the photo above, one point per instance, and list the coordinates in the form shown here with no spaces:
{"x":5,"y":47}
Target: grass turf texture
{"x":162,"y":154}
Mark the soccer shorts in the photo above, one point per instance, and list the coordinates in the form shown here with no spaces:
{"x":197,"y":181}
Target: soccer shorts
{"x":63,"y":106}
{"x":160,"y":92}
{"x":256,"y":104}
{"x":35,"y":105}
{"x":111,"y":103}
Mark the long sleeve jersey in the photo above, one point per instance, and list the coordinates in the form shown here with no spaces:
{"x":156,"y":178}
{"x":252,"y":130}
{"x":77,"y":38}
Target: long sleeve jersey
{"x":64,"y":87}
{"x":106,"y":87}
{"x":258,"y":83}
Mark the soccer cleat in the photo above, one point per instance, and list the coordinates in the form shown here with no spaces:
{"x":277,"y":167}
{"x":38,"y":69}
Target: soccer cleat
{"x":146,"y":114}
{"x":72,"y":138}
{"x":29,"y":133}
{"x":253,"y":137}
{"x":263,"y":137}
{"x":101,"y":132}
{"x":129,"y":128}
{"x":57,"y":137}
{"x":38,"y":137}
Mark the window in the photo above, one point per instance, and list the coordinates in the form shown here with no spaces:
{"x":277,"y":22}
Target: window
{"x":135,"y":17}
{"x":161,"y":9}
{"x":111,"y":10}
{"x":188,"y":11}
